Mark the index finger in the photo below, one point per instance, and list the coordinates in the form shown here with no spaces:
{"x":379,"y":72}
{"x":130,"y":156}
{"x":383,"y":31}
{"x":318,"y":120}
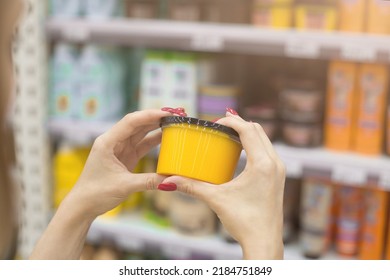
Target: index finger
{"x":250,"y":139}
{"x":131,"y":123}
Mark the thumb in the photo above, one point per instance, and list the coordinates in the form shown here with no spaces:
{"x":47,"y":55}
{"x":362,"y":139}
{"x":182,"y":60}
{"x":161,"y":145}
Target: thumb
{"x":197,"y":189}
{"x":145,"y":181}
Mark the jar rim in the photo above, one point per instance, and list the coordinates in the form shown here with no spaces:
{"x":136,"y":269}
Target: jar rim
{"x":207,"y":124}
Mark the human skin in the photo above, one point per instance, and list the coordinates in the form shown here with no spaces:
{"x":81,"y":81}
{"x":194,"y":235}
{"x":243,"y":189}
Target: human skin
{"x":249,"y":206}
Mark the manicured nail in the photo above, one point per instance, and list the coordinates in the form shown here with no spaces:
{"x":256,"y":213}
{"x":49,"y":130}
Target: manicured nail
{"x":167,"y":109}
{"x":180,"y":109}
{"x":181,"y":114}
{"x":167,"y":187}
{"x":215,"y":120}
{"x":232,"y":111}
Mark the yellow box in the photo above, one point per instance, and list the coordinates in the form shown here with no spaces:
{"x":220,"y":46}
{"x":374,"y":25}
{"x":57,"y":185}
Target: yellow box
{"x":370,"y":121}
{"x":275,"y":16}
{"x":315,"y":17}
{"x":198,"y":149}
{"x":340,"y":100}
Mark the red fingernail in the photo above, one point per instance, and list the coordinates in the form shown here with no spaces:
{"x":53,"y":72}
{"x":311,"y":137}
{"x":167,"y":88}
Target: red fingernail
{"x":167,"y":187}
{"x":181,"y":114}
{"x":167,"y":109}
{"x":232,"y":111}
{"x":180,"y":109}
{"x":215,"y":120}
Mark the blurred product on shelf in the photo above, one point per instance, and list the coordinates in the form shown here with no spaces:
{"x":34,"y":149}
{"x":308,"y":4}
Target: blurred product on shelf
{"x":63,"y":82}
{"x":387,"y":250}
{"x":191,"y":216}
{"x":211,"y":10}
{"x":145,"y":9}
{"x":315,"y":216}
{"x":388,"y":130}
{"x":103,"y":9}
{"x":198,"y":149}
{"x":340,"y":104}
{"x":68,"y":164}
{"x":301,"y":112}
{"x":349,"y":220}
{"x":375,"y":204}
{"x":169,"y":80}
{"x":315,"y":16}
{"x":275,"y":14}
{"x":352,"y":15}
{"x":371,"y":109}
{"x":378,"y":13}
{"x":66,"y":9}
{"x":89,"y":86}
{"x":214,"y":99}
{"x":291,"y":201}
{"x":301,"y":134}
{"x":185,"y":10}
{"x":266,"y":116}
{"x":156,"y":203}
{"x":181,"y":83}
{"x":301,"y":101}
{"x":153,"y":76}
{"x":101,"y":89}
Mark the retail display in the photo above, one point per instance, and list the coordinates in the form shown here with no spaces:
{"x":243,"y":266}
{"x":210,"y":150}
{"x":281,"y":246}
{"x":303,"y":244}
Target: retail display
{"x":378,"y":13}
{"x":316,"y":205}
{"x":198,"y":149}
{"x":334,"y":107}
{"x":340,"y":104}
{"x":352,"y":15}
{"x":349,"y":220}
{"x":372,"y":94}
{"x":373,"y":225}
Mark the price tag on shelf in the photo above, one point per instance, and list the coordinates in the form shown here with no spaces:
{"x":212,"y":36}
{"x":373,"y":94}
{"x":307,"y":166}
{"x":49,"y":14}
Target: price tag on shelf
{"x":302,"y":49}
{"x":358,"y":53}
{"x":76,"y":34}
{"x":207,"y":42}
{"x":384,"y":181}
{"x":349,"y":175}
{"x":294,"y":168}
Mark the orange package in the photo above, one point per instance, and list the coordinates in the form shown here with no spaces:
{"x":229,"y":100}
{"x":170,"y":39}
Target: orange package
{"x":352,"y":15}
{"x":374,"y":224}
{"x":371,"y":107}
{"x":339,"y":105}
{"x":388,"y":131}
{"x":378,"y":17}
{"x":349,"y":220}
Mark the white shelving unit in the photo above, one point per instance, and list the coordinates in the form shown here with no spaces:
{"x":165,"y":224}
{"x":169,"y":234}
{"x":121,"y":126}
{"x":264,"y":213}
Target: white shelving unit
{"x":241,"y":39}
{"x":133,"y":233}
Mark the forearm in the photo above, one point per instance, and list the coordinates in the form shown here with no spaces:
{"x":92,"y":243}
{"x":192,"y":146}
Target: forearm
{"x":65,"y":236}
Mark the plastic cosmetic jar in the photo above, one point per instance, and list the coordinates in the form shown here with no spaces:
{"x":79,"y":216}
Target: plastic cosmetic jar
{"x":198,"y":149}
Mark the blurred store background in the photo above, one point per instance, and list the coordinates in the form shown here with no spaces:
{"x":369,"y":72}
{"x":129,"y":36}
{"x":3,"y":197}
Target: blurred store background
{"x":314,"y":74}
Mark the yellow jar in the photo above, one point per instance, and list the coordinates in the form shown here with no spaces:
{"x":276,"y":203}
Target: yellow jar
{"x":198,"y":149}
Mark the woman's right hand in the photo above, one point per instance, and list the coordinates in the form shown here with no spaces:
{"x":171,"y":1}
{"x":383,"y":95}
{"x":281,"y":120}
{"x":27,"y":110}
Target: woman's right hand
{"x":250,"y":206}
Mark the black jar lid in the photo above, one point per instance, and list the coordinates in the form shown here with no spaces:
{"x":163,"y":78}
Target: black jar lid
{"x":178,"y":120}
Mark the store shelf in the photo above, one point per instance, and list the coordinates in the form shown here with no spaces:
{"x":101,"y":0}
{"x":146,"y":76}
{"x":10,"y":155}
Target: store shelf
{"x":78,"y":131}
{"x":133,"y":233}
{"x":343,"y":167}
{"x":241,"y":39}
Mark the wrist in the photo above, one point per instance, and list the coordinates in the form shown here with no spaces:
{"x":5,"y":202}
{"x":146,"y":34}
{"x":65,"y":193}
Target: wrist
{"x":263,"y":248}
